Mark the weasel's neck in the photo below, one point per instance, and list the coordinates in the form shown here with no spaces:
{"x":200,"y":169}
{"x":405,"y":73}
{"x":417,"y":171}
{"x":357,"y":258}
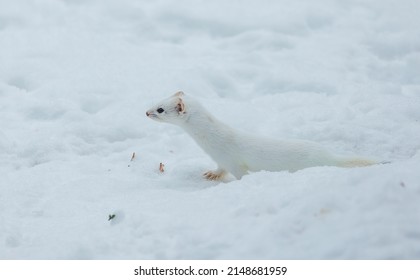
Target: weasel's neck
{"x":206,"y":130}
{"x":202,"y":123}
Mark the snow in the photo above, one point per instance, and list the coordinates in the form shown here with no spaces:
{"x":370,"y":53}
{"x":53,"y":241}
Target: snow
{"x":76,"y":78}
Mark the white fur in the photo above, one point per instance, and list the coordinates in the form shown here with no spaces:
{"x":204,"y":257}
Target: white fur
{"x":239,"y":152}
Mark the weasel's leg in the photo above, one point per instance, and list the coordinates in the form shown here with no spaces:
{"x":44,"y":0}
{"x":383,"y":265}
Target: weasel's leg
{"x":239,"y":172}
{"x":215,"y":175}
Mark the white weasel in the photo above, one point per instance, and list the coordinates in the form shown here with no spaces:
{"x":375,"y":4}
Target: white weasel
{"x":239,"y":152}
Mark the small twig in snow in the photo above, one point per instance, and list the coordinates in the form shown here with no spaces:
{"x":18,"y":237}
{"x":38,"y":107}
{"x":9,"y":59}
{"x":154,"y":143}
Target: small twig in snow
{"x":162,"y":167}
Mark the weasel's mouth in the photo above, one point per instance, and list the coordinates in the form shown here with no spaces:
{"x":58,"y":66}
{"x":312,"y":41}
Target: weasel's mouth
{"x":150,"y":115}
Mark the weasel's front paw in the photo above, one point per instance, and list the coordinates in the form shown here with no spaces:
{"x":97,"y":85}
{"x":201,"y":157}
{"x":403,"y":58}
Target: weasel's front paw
{"x":214,"y":175}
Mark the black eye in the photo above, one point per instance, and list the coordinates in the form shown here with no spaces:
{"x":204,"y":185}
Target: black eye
{"x":160,"y":110}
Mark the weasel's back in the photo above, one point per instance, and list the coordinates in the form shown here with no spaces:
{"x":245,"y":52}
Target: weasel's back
{"x":275,"y":155}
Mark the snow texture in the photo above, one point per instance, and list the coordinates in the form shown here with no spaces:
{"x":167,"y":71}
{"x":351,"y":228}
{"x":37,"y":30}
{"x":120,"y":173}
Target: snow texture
{"x":76,"y":78}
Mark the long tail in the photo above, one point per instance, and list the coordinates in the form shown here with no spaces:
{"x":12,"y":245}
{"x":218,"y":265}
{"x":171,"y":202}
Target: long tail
{"x":356,"y":162}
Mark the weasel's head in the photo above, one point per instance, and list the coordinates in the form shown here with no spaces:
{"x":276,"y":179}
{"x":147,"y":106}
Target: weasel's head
{"x":170,"y":110}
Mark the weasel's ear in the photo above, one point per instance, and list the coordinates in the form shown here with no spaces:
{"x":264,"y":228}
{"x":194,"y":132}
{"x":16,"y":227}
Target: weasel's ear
{"x":179,"y":93}
{"x":180,"y":107}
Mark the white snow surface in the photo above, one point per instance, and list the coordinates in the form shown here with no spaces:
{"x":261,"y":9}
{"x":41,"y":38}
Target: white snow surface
{"x":76,"y":78}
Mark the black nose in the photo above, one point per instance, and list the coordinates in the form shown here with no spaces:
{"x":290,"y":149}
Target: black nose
{"x":147,"y":113}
